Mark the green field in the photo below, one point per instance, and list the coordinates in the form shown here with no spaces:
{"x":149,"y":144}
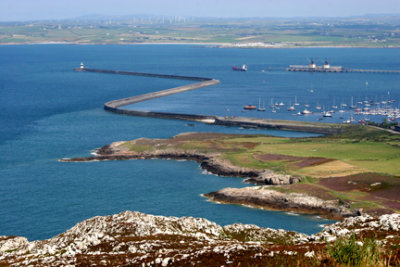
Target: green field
{"x":371,"y":32}
{"x":359,"y":150}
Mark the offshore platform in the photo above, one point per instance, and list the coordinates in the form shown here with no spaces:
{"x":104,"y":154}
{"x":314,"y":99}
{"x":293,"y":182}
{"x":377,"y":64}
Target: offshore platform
{"x":312,"y":67}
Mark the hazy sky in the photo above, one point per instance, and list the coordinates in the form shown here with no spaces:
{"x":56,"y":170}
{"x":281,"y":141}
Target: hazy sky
{"x":53,"y":9}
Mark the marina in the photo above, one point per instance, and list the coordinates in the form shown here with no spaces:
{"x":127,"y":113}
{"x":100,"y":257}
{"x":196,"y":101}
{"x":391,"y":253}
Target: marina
{"x":116,"y":106}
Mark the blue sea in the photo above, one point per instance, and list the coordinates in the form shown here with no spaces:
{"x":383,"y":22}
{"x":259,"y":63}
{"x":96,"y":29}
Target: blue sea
{"x":48,"y":112}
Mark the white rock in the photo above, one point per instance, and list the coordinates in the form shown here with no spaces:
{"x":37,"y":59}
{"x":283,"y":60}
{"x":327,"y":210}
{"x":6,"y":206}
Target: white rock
{"x":165,"y":262}
{"x":132,"y":249}
{"x":359,"y":243}
{"x":343,"y":232}
{"x":330,"y":238}
{"x":13,"y":243}
{"x":309,"y":254}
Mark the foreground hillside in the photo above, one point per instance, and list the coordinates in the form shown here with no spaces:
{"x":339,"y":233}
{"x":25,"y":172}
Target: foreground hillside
{"x":137,"y":239}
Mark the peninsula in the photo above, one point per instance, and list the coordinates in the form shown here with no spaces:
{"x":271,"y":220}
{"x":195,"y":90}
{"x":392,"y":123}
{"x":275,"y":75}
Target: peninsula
{"x":336,"y":176}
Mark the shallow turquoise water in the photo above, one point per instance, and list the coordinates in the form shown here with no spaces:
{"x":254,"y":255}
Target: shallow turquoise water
{"x":49,"y":112}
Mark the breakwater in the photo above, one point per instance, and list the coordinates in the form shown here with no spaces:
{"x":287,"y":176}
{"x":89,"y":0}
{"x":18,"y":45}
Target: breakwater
{"x":115,"y":106}
{"x":301,"y":126}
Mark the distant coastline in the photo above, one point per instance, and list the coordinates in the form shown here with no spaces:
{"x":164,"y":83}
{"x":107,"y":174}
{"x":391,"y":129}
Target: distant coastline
{"x":214,"y":45}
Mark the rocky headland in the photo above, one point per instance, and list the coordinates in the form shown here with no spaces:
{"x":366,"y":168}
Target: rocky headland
{"x":330,"y":189}
{"x":210,"y":162}
{"x":137,"y":239}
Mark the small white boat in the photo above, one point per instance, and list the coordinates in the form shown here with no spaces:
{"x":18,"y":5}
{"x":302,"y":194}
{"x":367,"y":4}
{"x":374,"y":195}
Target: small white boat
{"x":306,"y":112}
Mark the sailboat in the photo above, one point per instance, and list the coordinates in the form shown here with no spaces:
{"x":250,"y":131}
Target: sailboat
{"x":273,"y":106}
{"x":334,"y":105}
{"x":260,"y":108}
{"x":352,"y":103}
{"x":295,"y":101}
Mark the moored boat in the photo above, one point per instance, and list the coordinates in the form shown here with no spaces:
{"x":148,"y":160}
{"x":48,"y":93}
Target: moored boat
{"x":249,"y":107}
{"x":243,"y":68}
{"x":261,"y":108}
{"x":306,"y":112}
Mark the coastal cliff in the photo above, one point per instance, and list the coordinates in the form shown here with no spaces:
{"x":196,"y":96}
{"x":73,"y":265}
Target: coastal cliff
{"x":137,"y":239}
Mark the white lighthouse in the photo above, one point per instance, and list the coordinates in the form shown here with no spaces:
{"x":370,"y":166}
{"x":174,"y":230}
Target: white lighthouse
{"x":326,"y":65}
{"x":313,"y":66}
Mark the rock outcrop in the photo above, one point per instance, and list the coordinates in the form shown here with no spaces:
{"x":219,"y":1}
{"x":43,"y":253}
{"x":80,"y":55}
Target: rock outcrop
{"x":267,"y":197}
{"x":272,"y":178}
{"x":137,"y":239}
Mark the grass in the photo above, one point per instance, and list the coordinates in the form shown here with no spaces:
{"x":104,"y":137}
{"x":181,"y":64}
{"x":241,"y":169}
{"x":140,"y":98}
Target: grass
{"x":372,"y":156}
{"x":348,"y":252}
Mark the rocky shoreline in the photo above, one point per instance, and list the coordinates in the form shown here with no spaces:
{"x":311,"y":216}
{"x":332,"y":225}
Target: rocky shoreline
{"x":250,"y":196}
{"x":208,"y":161}
{"x":267,"y":197}
{"x":137,"y":239}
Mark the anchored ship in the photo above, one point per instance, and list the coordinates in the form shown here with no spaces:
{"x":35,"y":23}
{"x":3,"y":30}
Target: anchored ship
{"x":243,"y":68}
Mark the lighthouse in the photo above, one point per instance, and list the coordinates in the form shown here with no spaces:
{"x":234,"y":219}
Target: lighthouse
{"x":326,"y":65}
{"x":312,"y":65}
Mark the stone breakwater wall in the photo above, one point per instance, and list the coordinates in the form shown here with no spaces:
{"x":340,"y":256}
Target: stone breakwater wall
{"x":322,"y":128}
{"x":116,"y":106}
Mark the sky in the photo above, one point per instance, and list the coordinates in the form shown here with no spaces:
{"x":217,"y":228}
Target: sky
{"x":21,"y":10}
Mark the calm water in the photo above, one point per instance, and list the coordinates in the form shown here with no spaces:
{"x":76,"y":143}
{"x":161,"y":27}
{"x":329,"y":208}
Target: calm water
{"x":49,"y":112}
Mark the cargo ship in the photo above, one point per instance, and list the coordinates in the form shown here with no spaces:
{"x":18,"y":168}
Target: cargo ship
{"x":243,"y":68}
